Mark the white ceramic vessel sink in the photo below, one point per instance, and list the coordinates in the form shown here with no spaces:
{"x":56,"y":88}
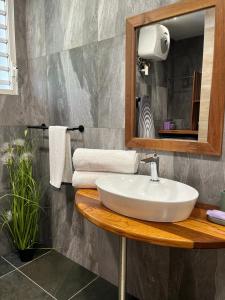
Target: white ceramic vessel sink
{"x":138,"y":197}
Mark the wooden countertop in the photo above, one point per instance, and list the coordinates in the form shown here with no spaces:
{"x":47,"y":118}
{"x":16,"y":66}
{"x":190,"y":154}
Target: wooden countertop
{"x":195,"y":232}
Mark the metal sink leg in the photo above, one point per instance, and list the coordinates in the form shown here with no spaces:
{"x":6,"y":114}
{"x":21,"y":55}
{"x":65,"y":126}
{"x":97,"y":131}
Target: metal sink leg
{"x":122,"y":268}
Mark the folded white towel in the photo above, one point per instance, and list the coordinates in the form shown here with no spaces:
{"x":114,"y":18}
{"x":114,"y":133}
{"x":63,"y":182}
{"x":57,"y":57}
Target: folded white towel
{"x":118,"y":161}
{"x":59,"y":156}
{"x":82,"y":179}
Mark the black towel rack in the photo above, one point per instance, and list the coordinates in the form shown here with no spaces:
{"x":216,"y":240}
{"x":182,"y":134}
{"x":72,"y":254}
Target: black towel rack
{"x":44,"y":127}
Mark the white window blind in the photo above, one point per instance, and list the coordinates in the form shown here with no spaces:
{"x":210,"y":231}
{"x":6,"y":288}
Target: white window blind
{"x":8,"y":70}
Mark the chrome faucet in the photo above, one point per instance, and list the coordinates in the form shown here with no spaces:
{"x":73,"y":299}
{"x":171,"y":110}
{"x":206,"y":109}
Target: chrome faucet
{"x":154,"y":166}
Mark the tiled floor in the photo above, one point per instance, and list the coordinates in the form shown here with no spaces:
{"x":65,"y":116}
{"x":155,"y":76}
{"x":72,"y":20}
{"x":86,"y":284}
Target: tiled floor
{"x":51,"y":276}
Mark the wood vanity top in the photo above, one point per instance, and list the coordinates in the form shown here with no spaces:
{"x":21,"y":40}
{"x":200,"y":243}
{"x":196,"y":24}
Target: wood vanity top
{"x":195,"y":232}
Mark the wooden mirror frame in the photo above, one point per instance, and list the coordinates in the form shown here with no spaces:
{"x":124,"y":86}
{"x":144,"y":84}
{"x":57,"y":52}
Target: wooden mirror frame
{"x":213,"y":146}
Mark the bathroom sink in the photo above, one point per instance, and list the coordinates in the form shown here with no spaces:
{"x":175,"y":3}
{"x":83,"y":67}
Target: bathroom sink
{"x":138,"y":197}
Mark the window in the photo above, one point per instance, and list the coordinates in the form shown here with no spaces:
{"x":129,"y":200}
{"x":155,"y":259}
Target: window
{"x":8,"y":69}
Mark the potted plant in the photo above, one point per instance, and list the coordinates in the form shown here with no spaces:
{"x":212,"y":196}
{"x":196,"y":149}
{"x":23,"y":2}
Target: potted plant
{"x":22,"y":219}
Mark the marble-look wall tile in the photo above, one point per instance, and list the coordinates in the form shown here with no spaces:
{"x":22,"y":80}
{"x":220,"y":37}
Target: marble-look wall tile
{"x":104,"y":138}
{"x":166,"y":165}
{"x":90,"y":79}
{"x":108,"y":255}
{"x":110,"y":19}
{"x":21,"y":111}
{"x":35,"y":25}
{"x":72,"y":235}
{"x":20,"y":30}
{"x":112,"y":14}
{"x":206,"y":175}
{"x":39,"y":108}
{"x":219,"y":275}
{"x":70,"y":24}
{"x":54,"y":26}
{"x":192,"y":274}
{"x":8,"y":106}
{"x":72,"y":87}
{"x":147,"y":270}
{"x":111,"y":91}
{"x":57,"y":93}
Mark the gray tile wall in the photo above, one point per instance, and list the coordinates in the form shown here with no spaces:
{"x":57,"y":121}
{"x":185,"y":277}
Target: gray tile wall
{"x":76,"y":64}
{"x":14,"y":110}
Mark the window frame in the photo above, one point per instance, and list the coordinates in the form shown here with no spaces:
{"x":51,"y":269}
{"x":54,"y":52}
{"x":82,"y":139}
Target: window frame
{"x":10,"y":22}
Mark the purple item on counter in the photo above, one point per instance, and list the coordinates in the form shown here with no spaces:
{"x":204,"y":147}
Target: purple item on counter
{"x":166,"y":125}
{"x":218,"y":214}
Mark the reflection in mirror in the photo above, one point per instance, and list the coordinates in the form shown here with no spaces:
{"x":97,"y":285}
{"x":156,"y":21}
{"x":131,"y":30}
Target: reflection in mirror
{"x":173,"y":76}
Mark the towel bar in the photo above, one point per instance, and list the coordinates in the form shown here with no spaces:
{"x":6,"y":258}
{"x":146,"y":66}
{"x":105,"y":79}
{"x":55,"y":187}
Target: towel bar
{"x":44,"y":127}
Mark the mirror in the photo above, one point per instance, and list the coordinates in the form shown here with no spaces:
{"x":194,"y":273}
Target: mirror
{"x":175,"y":78}
{"x":174,"y":75}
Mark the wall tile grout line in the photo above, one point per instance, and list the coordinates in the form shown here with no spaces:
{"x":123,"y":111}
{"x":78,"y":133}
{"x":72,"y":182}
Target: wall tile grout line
{"x":83,"y":288}
{"x":16,"y":269}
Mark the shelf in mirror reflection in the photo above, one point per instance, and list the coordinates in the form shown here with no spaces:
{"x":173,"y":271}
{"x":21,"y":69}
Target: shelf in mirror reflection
{"x":179,"y":133}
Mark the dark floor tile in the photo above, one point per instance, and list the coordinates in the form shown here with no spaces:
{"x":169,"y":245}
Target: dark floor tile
{"x":15,"y":286}
{"x":58,"y":275}
{"x":4,"y":267}
{"x":14,"y":259}
{"x":100,"y":289}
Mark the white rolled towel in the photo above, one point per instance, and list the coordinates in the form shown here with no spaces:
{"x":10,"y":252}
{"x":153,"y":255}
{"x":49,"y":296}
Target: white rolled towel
{"x":97,"y":160}
{"x":85,"y":180}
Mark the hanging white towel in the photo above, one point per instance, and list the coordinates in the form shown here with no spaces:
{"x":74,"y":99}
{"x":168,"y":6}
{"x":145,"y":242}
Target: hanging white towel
{"x":118,"y":161}
{"x":59,"y":156}
{"x":86,"y":180}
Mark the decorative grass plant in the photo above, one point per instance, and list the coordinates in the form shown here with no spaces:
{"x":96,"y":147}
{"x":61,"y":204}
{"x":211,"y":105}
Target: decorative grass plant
{"x":22,"y":218}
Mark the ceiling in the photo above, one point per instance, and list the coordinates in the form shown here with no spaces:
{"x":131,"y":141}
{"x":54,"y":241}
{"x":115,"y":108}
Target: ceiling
{"x":186,"y":26}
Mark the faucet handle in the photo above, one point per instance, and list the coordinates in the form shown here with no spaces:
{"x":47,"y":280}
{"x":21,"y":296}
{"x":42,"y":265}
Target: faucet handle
{"x":154,"y":165}
{"x":151,"y":158}
{"x":146,"y":160}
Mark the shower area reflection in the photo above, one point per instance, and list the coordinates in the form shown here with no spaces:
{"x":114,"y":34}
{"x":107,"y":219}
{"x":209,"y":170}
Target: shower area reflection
{"x":151,"y":103}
